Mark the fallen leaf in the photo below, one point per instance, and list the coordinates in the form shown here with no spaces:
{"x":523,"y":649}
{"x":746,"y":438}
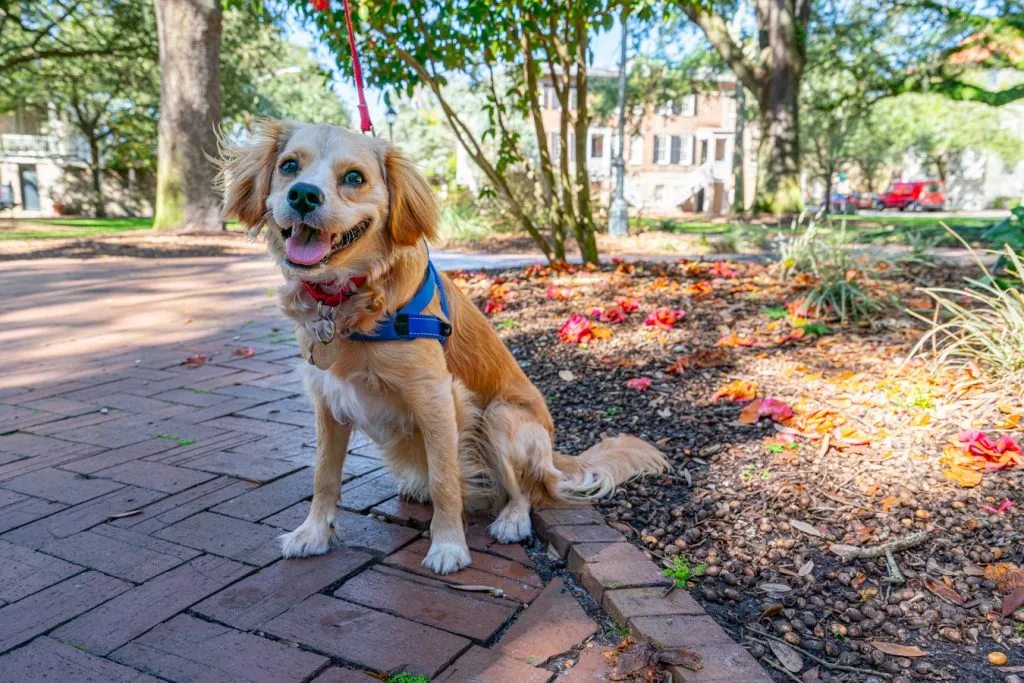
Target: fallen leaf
{"x":1007,"y":577}
{"x":130,"y":513}
{"x":247,"y":352}
{"x":681,"y":656}
{"x":946,"y":593}
{"x":771,"y":611}
{"x":194,"y":361}
{"x":804,"y":527}
{"x":639,"y":384}
{"x":841,"y":549}
{"x":774,"y":587}
{"x":806,"y":568}
{"x":737,"y":391}
{"x":897,"y":650}
{"x":787,"y":656}
{"x":811,"y":675}
{"x":1013,"y":601}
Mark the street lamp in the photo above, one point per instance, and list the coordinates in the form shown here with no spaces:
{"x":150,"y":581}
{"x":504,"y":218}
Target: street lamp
{"x":391,"y":116}
{"x":618,"y":223}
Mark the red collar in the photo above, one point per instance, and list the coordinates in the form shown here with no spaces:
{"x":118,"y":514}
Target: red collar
{"x":316,"y":290}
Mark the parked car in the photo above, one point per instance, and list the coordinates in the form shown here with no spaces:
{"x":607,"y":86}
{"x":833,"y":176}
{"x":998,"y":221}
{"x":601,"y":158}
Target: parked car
{"x":924,"y":195}
{"x":851,"y":203}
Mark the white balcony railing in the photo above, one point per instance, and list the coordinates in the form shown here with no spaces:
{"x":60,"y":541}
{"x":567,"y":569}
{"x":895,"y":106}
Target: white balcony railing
{"x":43,"y":147}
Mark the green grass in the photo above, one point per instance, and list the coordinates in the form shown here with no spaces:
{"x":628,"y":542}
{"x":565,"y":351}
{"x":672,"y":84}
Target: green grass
{"x":682,"y":573}
{"x":73,"y":227}
{"x":408,"y":678}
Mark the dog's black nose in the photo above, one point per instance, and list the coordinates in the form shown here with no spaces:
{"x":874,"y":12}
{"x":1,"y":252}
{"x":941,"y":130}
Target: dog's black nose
{"x":304,"y":198}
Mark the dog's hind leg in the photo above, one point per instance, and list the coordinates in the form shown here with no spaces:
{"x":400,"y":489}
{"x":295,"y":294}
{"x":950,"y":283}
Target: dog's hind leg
{"x":315,"y":535}
{"x":521,"y":451}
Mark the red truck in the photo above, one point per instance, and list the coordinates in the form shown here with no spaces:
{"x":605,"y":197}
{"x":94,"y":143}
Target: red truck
{"x":923,"y":195}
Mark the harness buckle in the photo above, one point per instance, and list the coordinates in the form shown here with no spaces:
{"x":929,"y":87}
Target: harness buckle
{"x":402,"y":325}
{"x":446,"y":329}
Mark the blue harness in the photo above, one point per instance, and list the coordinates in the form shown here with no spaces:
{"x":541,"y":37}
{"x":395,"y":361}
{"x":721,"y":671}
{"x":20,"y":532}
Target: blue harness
{"x":409,"y":322}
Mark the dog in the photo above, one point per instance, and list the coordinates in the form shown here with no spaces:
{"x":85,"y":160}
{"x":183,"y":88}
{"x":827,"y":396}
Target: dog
{"x":348,"y":216}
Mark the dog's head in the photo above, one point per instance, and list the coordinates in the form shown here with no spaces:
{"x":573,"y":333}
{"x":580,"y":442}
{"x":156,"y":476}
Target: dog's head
{"x":331,"y":200}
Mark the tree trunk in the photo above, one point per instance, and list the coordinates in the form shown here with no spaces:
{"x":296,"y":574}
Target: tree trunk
{"x":96,"y":167}
{"x":190,"y":111}
{"x":585,"y":237}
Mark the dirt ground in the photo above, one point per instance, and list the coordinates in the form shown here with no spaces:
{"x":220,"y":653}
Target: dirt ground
{"x":767,"y":506}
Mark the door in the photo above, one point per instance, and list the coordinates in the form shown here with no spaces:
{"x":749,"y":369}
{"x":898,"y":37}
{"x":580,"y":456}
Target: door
{"x":29,"y":188}
{"x":717,"y":199}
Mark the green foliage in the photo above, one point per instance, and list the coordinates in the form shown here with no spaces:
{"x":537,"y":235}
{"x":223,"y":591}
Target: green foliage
{"x":776,"y":312}
{"x":408,"y":678}
{"x":817,"y":329}
{"x":682,"y":573}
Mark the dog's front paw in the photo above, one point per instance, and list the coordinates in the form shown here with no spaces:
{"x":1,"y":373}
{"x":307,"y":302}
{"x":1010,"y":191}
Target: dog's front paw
{"x":446,"y":557}
{"x":511,"y":527}
{"x":311,"y":538}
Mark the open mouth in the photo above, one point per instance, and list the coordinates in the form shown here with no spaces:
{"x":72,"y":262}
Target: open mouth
{"x":309,"y":247}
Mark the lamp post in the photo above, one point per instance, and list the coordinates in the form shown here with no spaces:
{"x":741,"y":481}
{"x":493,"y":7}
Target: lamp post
{"x":618,"y":216}
{"x":391,"y":116}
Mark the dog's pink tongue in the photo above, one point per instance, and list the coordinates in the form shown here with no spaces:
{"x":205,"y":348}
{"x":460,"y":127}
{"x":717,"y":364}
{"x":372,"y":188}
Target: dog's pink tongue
{"x":306,"y":246}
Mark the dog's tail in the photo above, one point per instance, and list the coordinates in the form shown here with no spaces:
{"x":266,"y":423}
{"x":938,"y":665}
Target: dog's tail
{"x":600,"y":468}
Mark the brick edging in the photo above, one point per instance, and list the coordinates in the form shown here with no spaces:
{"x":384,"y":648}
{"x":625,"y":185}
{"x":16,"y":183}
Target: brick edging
{"x":631,"y":589}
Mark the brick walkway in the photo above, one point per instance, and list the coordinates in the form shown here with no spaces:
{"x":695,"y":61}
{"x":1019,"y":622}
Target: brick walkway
{"x":141,"y":497}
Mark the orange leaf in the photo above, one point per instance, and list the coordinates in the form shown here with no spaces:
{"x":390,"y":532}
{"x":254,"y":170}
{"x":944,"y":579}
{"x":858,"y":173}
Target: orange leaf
{"x":1008,"y":577}
{"x":751,"y":413}
{"x":737,"y":391}
{"x":946,"y":593}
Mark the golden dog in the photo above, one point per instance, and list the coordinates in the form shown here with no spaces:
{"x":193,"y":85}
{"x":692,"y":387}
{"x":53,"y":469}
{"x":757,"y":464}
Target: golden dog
{"x":459,"y":423}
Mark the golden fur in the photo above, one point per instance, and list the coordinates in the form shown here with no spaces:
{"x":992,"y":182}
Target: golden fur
{"x":460,"y":424}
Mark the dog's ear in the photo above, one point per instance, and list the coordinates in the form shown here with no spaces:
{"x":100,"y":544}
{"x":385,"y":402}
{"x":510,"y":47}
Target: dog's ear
{"x":246,"y":171}
{"x":413,"y":212}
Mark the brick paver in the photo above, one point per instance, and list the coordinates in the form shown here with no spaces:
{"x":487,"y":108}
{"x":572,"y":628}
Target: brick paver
{"x":141,"y":500}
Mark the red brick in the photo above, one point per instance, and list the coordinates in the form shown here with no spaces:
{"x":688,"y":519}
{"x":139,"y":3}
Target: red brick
{"x":582,"y":553}
{"x":626,"y":603}
{"x":102,"y":461}
{"x":406,"y":512}
{"x":511,"y":551}
{"x":24,"y":620}
{"x":336,"y":675}
{"x":61,"y":406}
{"x":70,"y":424}
{"x":357,"y":466}
{"x":157,"y":476}
{"x":226,"y":406}
{"x":81,"y":517}
{"x":130,"y":403}
{"x":553,"y":624}
{"x":253,"y":392}
{"x":597,"y":577}
{"x":24,"y":572}
{"x":410,"y":557}
{"x":549,"y":517}
{"x":188,"y":649}
{"x":270,"y":498}
{"x":352,"y":530}
{"x":280,"y":586}
{"x":591,"y":667}
{"x":134,"y":612}
{"x":63,"y":487}
{"x":365,"y":637}
{"x":206,"y":446}
{"x":44,"y":660}
{"x":26,"y":510}
{"x":478,"y":665}
{"x":243,"y":466}
{"x":120,"y":552}
{"x":181,"y":505}
{"x":106,"y":435}
{"x":723,"y":664}
{"x":565,"y":536}
{"x":359,"y":495}
{"x":32,"y":445}
{"x":679,"y":631}
{"x":428,"y":602}
{"x":6,"y":457}
{"x":13,"y":418}
{"x":198,"y":399}
{"x":227,"y":537}
{"x":293,"y":411}
{"x":244,"y":424}
{"x":46,"y":392}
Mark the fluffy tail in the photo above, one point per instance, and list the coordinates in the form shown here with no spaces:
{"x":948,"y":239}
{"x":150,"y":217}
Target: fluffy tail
{"x":599,"y":469}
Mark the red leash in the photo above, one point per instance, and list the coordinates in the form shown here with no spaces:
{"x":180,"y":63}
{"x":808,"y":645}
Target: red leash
{"x":365,"y":124}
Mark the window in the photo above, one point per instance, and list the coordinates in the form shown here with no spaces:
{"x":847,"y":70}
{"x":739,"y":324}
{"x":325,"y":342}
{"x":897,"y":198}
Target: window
{"x":636,"y":150}
{"x":688,"y":105}
{"x":676,"y":145}
{"x":597,"y":146}
{"x":550,"y":99}
{"x":661,"y":149}
{"x":572,"y":99}
{"x":553,"y":148}
{"x":686,"y":151}
{"x":719,"y":149}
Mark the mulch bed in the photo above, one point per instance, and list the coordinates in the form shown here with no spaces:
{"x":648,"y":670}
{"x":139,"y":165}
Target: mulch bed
{"x":769,"y":501}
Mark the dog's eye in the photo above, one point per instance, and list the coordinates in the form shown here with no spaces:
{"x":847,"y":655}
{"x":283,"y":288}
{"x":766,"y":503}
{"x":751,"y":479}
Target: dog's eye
{"x":289,"y":167}
{"x":354,"y":178}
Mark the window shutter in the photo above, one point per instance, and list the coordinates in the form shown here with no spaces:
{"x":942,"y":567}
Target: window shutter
{"x":657,"y":149}
{"x":674,"y":159}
